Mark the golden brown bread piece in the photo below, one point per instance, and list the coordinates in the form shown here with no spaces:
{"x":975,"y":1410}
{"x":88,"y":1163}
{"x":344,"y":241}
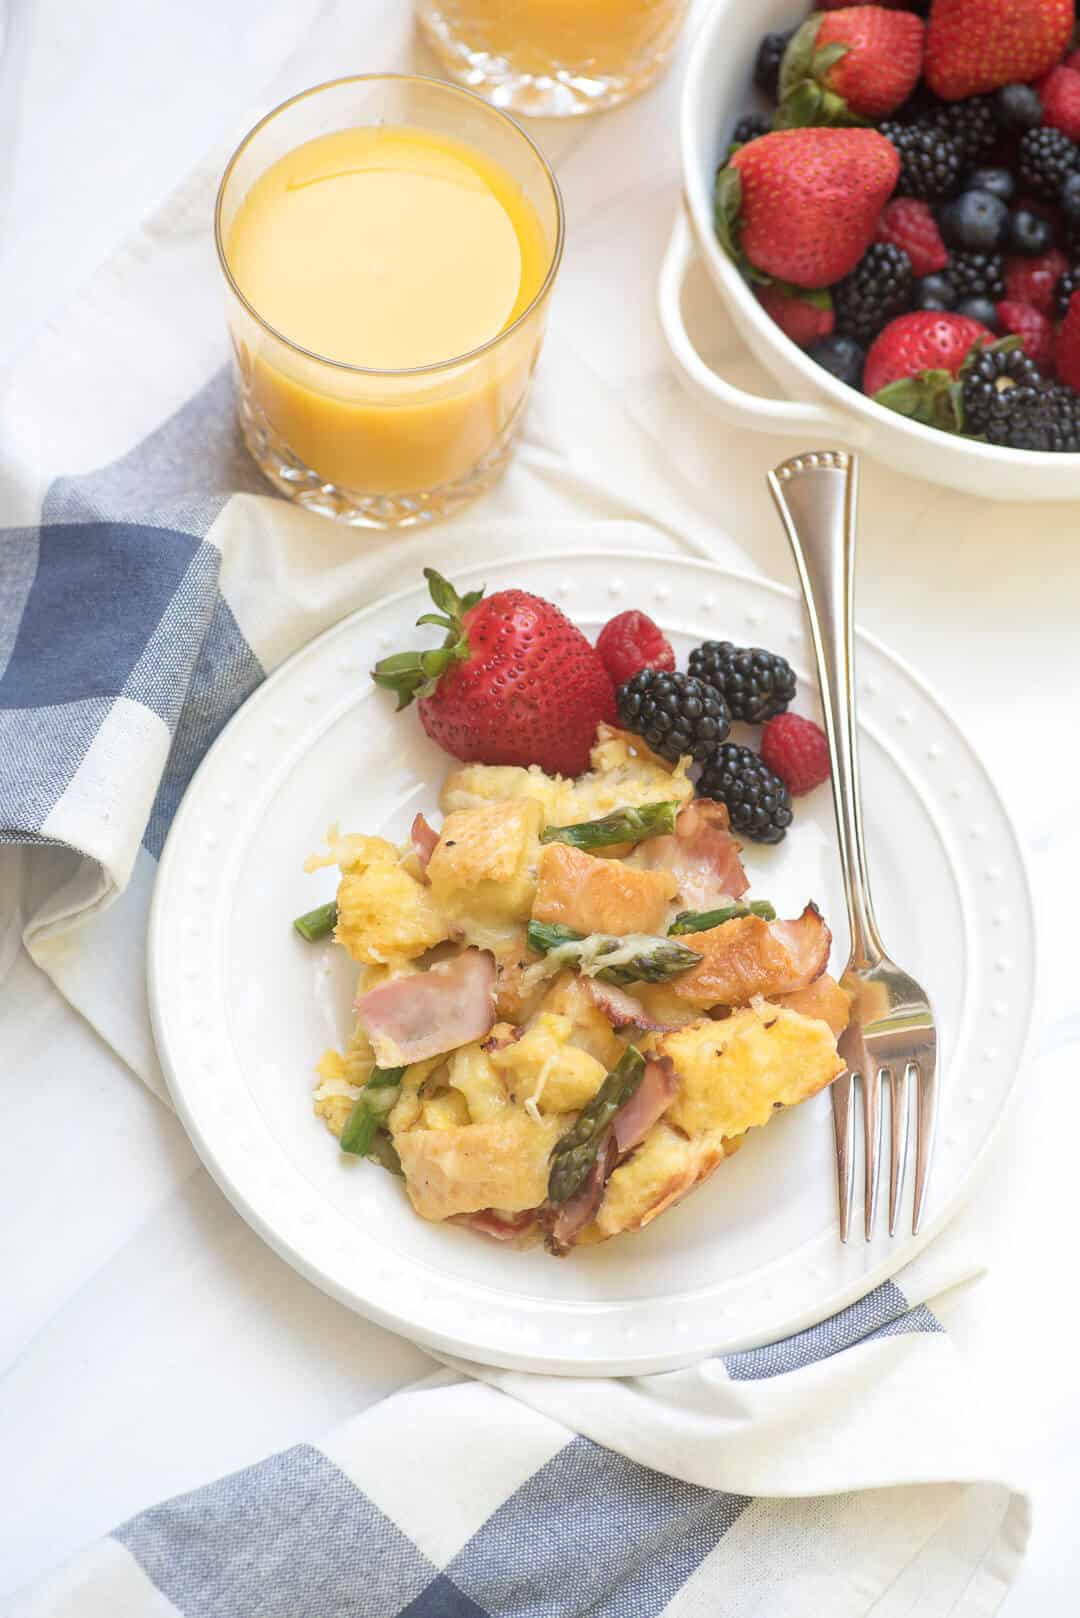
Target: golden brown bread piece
{"x":749,"y":956}
{"x":600,"y":896}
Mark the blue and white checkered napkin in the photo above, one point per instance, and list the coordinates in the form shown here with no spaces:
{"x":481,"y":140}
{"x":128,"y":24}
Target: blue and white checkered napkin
{"x":147,"y":585}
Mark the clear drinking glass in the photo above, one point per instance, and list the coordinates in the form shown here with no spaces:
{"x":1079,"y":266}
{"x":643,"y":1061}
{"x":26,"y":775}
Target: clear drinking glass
{"x":385,"y":448}
{"x":553,"y":58}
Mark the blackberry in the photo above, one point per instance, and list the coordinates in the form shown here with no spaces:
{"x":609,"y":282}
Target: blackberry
{"x":930,"y":162}
{"x":1063,"y":413}
{"x":878,"y":289}
{"x":1047,"y":157}
{"x":675,"y":713}
{"x":1069,"y":283}
{"x":767,"y":65}
{"x":755,"y":684}
{"x":749,"y":127}
{"x":758,"y":802}
{"x":1000,"y":393}
{"x":977,"y":275}
{"x":970,"y":123}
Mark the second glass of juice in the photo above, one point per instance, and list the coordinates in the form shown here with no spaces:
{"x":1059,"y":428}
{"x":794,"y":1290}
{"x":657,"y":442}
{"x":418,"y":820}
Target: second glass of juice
{"x":553,"y":58}
{"x":389,"y":245}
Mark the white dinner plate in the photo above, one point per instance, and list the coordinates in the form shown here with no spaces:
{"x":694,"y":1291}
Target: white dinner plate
{"x":243,"y":1008}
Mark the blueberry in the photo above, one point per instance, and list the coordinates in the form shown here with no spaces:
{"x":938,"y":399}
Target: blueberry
{"x":1070,"y":197}
{"x":1017,"y":106}
{"x":934,"y":292}
{"x":1028,"y":233}
{"x":975,"y":220}
{"x":981,"y":309}
{"x":999,"y":182}
{"x":842,"y":356}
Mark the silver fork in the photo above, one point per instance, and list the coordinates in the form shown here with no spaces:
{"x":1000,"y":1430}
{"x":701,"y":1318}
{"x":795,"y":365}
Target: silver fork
{"x":891,"y":1038}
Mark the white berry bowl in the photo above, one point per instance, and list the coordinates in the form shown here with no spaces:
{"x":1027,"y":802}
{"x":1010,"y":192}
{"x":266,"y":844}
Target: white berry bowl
{"x":815,"y":406}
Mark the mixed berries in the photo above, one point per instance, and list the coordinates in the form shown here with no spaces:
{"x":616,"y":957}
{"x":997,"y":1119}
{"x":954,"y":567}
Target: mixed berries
{"x":691,"y":714}
{"x":515,"y":682}
{"x":910,"y":205}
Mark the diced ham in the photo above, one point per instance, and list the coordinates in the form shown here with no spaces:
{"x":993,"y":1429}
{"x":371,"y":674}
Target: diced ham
{"x":577,"y":1211}
{"x":424,"y":1014}
{"x":425,"y":840}
{"x":620,"y":1008}
{"x":749,"y":956}
{"x":651,"y":1099}
{"x":703,"y":856}
{"x":499,"y":1227}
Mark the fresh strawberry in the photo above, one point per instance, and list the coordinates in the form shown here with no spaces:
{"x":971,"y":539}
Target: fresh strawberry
{"x":1034,"y":280}
{"x":859,"y":63}
{"x":802,"y":204}
{"x":1072,"y":61}
{"x":845,"y":5}
{"x":804,"y":318}
{"x":1034,"y":330}
{"x":977,"y":45}
{"x":1060,"y":93}
{"x":632,"y":642}
{"x":909,"y":224}
{"x":797,"y":751}
{"x":514,"y":682}
{"x":1067,"y":353}
{"x":913,"y":364}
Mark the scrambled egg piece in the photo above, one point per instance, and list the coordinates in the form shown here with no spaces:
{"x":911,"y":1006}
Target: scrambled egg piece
{"x":484,"y":867}
{"x":624,"y":774}
{"x":543,"y":1067}
{"x":334,"y":1095}
{"x":569,"y":996}
{"x":601,"y":896}
{"x":474,"y":1078}
{"x":501,"y":1164}
{"x":384,"y":914}
{"x":734,"y":1073}
{"x":663,"y":1169}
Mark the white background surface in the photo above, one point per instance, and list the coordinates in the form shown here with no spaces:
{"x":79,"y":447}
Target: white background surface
{"x":148,"y":1340}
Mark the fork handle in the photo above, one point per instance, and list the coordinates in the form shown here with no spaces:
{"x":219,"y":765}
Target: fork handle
{"x":816,"y":495}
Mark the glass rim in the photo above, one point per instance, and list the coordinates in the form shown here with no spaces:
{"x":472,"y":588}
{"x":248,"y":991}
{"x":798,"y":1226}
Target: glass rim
{"x":413,"y":370}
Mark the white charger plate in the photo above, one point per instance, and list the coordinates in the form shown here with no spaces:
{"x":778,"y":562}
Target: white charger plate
{"x":243,"y":1008}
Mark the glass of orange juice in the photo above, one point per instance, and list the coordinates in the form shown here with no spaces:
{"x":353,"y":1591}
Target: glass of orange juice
{"x":389,"y":245}
{"x":553,"y":58}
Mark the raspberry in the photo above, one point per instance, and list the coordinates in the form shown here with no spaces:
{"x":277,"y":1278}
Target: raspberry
{"x":796,"y":750}
{"x":1060,"y":92}
{"x":798,"y":318}
{"x":631,"y":642}
{"x":908,"y":223}
{"x":1034,"y":280}
{"x":1033,"y":329}
{"x":1068,"y":345}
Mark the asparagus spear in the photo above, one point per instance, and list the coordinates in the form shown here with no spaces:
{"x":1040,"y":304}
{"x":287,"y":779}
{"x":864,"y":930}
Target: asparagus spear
{"x":637,"y":958}
{"x":575,"y":1153}
{"x":700,"y":921}
{"x":318,"y":923}
{"x":370,"y":1108}
{"x":622,"y":826}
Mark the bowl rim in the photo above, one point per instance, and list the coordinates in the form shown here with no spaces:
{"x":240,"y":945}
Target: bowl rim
{"x":721,"y":19}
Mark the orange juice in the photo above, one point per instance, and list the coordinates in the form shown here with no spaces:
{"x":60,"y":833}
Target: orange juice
{"x":390,"y":271}
{"x":553,"y":56}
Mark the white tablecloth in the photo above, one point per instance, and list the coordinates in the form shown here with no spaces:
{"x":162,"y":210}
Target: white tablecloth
{"x":148,"y":1340}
